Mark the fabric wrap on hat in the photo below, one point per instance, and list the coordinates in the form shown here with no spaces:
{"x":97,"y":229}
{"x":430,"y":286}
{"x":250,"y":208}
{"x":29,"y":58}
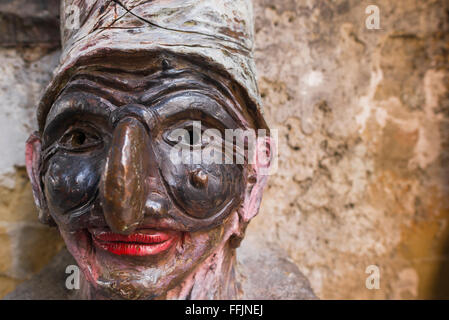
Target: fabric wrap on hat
{"x":220,"y":32}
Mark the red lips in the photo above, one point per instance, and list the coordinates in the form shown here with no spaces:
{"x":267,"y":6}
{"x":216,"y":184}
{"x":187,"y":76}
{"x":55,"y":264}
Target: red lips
{"x":141,"y":243}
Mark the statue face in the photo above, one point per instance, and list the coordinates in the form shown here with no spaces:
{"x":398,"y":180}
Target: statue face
{"x":136,"y":221}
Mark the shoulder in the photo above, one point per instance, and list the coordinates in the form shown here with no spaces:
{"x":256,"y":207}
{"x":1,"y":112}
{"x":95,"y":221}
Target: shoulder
{"x":49,"y":284}
{"x":265,"y":272}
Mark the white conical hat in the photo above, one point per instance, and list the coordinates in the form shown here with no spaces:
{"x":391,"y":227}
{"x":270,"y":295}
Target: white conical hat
{"x":218,"y":31}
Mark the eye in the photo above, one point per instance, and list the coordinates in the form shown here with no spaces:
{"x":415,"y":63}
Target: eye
{"x":193,"y":136}
{"x":79,"y":139}
{"x":187,"y":136}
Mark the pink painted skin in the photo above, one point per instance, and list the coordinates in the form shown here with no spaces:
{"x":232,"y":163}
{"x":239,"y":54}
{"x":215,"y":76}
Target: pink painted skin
{"x":144,"y":242}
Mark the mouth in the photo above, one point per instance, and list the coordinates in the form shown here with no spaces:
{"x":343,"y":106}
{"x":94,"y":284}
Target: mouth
{"x":144,"y":242}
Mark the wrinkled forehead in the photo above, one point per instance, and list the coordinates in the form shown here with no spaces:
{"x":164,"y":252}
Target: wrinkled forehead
{"x":124,"y":79}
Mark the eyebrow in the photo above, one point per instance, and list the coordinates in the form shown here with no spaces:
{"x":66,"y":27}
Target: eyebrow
{"x":114,"y":96}
{"x":64,"y":107}
{"x":204,"y":107}
{"x":184,"y":79}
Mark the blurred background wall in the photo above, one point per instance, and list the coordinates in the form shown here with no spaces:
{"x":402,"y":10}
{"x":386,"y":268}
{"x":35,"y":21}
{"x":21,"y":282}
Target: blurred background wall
{"x":363,"y":120}
{"x":29,"y":44}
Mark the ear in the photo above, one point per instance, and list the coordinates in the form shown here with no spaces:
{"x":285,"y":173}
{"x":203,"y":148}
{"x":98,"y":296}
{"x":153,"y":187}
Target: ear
{"x":33,"y":165}
{"x":260,"y":167}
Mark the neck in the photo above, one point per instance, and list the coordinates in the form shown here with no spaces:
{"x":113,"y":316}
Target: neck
{"x":213,"y":279}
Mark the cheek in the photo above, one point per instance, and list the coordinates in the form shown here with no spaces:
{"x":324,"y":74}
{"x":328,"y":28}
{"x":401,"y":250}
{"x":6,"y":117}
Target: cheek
{"x":70,"y":182}
{"x":205,"y":189}
{"x":203,"y":243}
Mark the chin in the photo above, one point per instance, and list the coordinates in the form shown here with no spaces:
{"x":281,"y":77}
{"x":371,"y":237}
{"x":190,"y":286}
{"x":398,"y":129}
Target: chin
{"x":144,"y":265}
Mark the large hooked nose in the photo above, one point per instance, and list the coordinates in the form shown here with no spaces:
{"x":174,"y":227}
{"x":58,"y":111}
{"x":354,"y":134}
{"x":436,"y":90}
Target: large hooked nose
{"x":123,"y":187}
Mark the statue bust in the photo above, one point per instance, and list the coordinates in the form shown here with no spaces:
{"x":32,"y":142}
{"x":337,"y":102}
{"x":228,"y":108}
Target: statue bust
{"x":143,"y":88}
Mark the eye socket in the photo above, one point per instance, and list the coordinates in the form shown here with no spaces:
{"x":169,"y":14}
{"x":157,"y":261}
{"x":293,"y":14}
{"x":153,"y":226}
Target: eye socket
{"x":193,"y":136}
{"x":185,"y":136}
{"x":79,"y":139}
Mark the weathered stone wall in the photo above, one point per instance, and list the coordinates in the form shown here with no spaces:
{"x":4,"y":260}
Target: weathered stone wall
{"x":28,"y":53}
{"x":363,"y":120}
{"x":363,"y":133}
